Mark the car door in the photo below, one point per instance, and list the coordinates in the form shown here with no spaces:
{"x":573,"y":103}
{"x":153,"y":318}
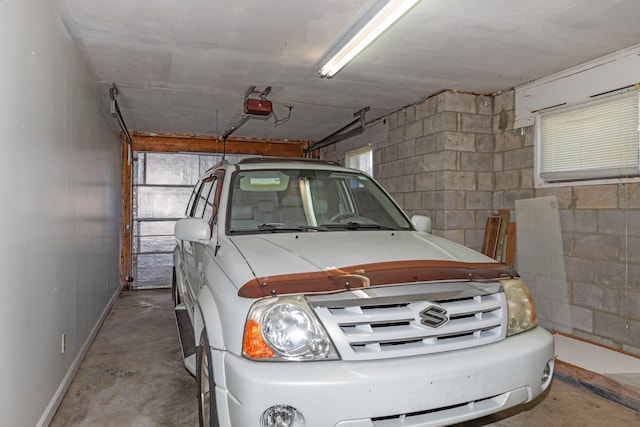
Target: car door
{"x":192,"y":251}
{"x":205,"y":252}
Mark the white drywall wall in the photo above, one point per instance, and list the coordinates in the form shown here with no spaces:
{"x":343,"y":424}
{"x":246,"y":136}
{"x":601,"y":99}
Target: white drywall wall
{"x":60,"y":207}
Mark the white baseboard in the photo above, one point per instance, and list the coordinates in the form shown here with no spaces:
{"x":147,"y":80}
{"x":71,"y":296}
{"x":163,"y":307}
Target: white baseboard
{"x":56,"y":400}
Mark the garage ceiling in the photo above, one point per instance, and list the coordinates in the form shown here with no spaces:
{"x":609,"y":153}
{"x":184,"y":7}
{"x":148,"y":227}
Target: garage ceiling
{"x":183,"y":66}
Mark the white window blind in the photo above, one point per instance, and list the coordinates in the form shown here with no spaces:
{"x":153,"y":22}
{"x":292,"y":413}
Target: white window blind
{"x":596,"y":139}
{"x":360,"y":159}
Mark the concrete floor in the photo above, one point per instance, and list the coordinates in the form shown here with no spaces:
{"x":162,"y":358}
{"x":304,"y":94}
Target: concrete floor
{"x":133,"y":376}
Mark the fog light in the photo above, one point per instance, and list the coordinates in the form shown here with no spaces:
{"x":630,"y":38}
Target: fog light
{"x":547,"y":374}
{"x":281,"y":416}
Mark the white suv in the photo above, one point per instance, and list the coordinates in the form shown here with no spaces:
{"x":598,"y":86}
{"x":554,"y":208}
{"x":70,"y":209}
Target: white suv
{"x":305,"y":297}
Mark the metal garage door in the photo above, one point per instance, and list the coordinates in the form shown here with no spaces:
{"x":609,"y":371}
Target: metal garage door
{"x":162,"y":184}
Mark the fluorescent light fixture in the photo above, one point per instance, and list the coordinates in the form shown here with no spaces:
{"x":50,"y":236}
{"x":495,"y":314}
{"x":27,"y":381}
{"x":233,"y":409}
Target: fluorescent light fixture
{"x":386,"y":16}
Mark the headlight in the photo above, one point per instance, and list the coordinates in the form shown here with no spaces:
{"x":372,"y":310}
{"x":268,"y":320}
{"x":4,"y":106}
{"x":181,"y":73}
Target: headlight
{"x":285,"y":328}
{"x":521,"y":309}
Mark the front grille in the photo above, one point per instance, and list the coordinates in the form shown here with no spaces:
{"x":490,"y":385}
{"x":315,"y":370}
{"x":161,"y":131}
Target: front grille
{"x":377,"y":328}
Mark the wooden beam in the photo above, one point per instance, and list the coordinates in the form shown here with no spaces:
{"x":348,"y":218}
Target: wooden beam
{"x":211,"y":144}
{"x":125,"y":221}
{"x":502,"y":235}
{"x":510,"y":252}
{"x":491,"y":231}
{"x":599,"y":384}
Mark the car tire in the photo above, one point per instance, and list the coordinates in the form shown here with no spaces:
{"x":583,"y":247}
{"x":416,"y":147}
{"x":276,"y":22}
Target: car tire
{"x":207,"y":408}
{"x":175,"y":296}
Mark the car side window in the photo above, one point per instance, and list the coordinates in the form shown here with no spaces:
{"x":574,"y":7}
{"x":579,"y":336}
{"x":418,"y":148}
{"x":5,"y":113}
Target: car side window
{"x":192,"y":200}
{"x":213,"y":199}
{"x":202,"y":197}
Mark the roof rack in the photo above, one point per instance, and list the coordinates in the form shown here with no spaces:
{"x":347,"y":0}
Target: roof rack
{"x":286,"y":160}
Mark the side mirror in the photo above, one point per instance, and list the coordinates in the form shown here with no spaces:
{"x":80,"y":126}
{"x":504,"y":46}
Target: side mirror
{"x":192,"y":230}
{"x":421,"y":223}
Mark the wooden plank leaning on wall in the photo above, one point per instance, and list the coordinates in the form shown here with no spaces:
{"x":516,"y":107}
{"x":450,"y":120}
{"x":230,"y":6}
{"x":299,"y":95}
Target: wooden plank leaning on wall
{"x":185,"y":143}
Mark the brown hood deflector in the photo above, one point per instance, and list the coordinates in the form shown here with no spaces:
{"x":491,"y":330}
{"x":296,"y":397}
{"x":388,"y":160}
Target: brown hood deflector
{"x":376,"y":274}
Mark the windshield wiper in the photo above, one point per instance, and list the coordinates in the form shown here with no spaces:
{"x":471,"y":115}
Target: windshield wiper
{"x":359,"y":226}
{"x":275,"y":228}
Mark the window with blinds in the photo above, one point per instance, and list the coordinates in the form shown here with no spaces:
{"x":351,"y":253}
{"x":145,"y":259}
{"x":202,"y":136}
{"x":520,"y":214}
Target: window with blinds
{"x":360,"y":159}
{"x":595,"y":139}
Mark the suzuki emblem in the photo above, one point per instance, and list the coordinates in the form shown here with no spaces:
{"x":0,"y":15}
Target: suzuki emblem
{"x":434,"y":316}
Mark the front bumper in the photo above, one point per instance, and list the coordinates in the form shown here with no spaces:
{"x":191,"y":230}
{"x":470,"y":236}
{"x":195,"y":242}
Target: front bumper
{"x":427,"y":390}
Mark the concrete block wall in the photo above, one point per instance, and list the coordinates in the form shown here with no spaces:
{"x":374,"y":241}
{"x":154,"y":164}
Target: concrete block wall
{"x":513,"y":155}
{"x":601,"y":239}
{"x":456,"y":158}
{"x":600,"y":227}
{"x":439,"y":162}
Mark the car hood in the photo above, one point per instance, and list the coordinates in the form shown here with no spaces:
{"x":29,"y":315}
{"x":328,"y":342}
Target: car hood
{"x":305,"y":255}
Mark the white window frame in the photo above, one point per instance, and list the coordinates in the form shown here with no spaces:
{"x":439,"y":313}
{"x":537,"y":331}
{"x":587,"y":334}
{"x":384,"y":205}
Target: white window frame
{"x":353,"y":159}
{"x":592,"y":174}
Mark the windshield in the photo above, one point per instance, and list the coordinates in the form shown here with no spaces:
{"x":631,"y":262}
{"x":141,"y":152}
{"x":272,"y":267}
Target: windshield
{"x":270,"y":201}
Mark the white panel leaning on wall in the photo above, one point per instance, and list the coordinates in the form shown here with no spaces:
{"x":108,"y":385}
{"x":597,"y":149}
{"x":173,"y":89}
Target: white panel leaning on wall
{"x":540,"y":260}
